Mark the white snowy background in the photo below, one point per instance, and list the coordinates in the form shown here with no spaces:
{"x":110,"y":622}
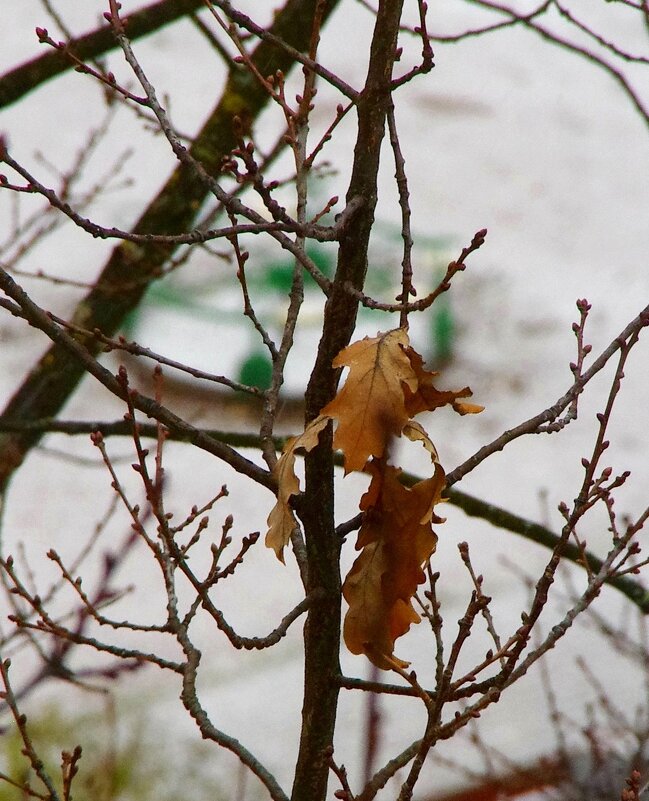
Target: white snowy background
{"x":507,"y":132}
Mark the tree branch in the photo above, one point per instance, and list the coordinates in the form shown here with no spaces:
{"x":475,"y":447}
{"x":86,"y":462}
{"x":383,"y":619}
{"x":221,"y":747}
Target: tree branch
{"x":549,"y":415}
{"x":87,"y":363}
{"x":28,"y":76}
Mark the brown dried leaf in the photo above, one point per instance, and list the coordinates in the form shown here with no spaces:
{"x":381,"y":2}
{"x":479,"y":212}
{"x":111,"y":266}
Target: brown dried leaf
{"x":417,"y":433}
{"x":424,"y":397}
{"x":396,"y":540}
{"x":387,"y":385}
{"x":370,"y":407}
{"x":467,"y":408}
{"x":281,"y":521}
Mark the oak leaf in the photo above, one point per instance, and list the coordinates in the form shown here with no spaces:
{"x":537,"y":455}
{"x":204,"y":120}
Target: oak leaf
{"x":424,"y":397}
{"x":387,"y":385}
{"x":417,"y":433}
{"x":281,"y":521}
{"x":395,"y":540}
{"x":370,"y":406}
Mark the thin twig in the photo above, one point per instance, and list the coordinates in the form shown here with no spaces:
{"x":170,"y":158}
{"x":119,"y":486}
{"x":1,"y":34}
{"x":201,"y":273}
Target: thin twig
{"x":21,"y":722}
{"x":550,"y":414}
{"x":443,"y":286}
{"x":407,"y":289}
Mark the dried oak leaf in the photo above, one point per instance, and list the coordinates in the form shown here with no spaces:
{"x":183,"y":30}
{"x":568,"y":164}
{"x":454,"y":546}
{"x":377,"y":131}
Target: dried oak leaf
{"x":424,"y":397}
{"x":370,"y":407}
{"x":417,"y":433}
{"x":281,"y":521}
{"x":396,"y":539}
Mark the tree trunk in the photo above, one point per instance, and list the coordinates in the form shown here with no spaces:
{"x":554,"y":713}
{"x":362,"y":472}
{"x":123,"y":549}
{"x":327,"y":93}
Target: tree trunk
{"x":316,"y":508}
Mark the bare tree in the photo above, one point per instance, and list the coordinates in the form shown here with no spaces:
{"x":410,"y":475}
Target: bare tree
{"x":233,"y":184}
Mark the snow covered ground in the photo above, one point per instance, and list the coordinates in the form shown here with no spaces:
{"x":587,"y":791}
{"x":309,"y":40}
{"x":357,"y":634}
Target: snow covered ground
{"x":508,"y":133}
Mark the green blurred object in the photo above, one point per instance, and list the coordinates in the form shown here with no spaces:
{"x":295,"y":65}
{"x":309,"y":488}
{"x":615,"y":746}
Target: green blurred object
{"x":256,"y":370}
{"x":170,"y":295}
{"x":278,"y":275}
{"x":271,"y":279}
{"x":443,"y":330}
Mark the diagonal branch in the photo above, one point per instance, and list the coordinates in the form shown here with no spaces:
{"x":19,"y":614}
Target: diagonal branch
{"x":529,"y":21}
{"x":28,"y":76}
{"x":508,"y":521}
{"x":86,"y":362}
{"x":536,"y":424}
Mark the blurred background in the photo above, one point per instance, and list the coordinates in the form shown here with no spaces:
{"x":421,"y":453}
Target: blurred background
{"x":509,"y":132}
